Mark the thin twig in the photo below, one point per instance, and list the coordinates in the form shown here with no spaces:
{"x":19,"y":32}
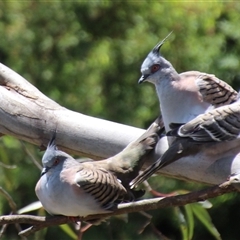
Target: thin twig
{"x":7,"y":166}
{"x":34,"y":160}
{"x":11,"y":203}
{"x":13,"y":206}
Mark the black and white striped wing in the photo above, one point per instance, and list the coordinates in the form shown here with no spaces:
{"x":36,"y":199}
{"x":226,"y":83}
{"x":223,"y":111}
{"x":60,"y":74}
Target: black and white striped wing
{"x":102,"y":185}
{"x":220,"y":124}
{"x":215,"y":91}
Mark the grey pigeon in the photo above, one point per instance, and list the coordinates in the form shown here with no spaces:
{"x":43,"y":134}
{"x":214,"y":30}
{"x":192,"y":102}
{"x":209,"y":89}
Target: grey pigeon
{"x":216,"y":132}
{"x":206,"y":104}
{"x":71,"y":188}
{"x":183,"y":96}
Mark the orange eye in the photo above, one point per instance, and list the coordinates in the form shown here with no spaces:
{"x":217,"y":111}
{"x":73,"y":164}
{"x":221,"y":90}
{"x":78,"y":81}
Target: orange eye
{"x":56,"y":162}
{"x":155,"y":68}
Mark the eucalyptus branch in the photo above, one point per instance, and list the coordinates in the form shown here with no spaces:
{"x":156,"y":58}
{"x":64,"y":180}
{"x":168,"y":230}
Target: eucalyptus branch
{"x":29,"y":115}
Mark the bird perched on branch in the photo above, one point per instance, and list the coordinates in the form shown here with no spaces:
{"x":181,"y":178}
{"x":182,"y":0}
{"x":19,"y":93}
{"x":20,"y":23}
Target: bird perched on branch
{"x":183,"y":97}
{"x":217,"y":130}
{"x":71,"y":188}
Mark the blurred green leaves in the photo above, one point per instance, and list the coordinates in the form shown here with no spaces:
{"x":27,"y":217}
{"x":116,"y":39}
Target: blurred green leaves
{"x":187,"y":221}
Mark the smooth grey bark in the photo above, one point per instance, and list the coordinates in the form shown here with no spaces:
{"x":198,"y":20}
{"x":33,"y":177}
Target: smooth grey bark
{"x":27,"y":114}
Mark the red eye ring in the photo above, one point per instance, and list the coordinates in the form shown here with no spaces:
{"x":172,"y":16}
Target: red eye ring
{"x":155,"y":68}
{"x":56,"y":162}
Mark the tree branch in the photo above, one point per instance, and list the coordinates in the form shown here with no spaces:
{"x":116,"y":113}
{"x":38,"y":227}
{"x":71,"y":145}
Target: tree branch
{"x":141,"y":205}
{"x":29,"y":115}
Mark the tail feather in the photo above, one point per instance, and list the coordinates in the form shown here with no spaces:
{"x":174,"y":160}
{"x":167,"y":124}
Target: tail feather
{"x":177,"y":150}
{"x":174,"y":129}
{"x":127,"y":164}
{"x":145,"y":175}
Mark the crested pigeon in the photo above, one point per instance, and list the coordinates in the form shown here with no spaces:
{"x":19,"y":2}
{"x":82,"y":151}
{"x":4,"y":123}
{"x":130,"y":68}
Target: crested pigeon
{"x":71,"y":188}
{"x":208,"y":106}
{"x":183,"y":96}
{"x":206,"y":131}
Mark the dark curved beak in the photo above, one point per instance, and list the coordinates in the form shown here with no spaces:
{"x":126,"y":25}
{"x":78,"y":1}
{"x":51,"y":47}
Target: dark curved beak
{"x":44,"y":170}
{"x":143,"y":78}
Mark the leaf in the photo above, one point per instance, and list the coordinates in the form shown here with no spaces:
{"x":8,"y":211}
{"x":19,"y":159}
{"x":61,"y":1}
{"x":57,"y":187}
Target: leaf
{"x":182,"y":223}
{"x":204,"y":217}
{"x":205,"y":204}
{"x":31,"y":207}
{"x":68,"y":231}
{"x":190,"y":220}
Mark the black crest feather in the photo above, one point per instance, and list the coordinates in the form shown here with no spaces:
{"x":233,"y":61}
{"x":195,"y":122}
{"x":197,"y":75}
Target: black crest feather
{"x":158,"y":46}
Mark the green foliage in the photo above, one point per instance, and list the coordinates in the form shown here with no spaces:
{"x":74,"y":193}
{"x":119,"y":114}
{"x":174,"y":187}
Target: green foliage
{"x":205,"y":219}
{"x":66,"y":228}
{"x":87,"y":56}
{"x":187,"y":222}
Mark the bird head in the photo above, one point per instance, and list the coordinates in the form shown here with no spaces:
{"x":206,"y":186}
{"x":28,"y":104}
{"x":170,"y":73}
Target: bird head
{"x":155,"y":66}
{"x":53,"y":158}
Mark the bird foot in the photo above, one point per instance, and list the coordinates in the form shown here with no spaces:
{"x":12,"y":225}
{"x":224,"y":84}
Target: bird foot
{"x":85,"y":228}
{"x":158,"y":194}
{"x":75,"y":220}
